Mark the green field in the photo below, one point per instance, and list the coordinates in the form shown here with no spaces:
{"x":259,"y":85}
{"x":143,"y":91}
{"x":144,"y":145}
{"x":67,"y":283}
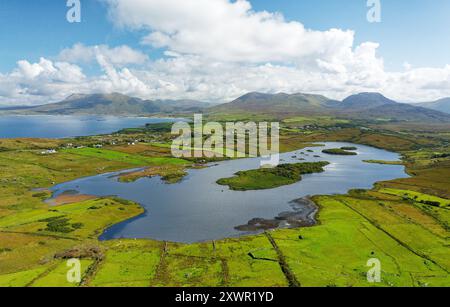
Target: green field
{"x":123,"y":157}
{"x":419,"y":197}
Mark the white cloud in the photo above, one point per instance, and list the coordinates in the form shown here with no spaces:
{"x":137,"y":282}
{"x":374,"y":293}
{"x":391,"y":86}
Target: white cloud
{"x":227,"y":31}
{"x":46,"y":70}
{"x":122,"y":81}
{"x":121,"y":55}
{"x":217,"y":50}
{"x":39,"y":82}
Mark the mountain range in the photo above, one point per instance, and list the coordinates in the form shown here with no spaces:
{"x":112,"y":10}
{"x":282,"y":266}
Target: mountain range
{"x":112,"y":104}
{"x":360,"y":106}
{"x":366,"y":106}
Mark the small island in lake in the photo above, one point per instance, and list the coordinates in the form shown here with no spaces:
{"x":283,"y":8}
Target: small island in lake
{"x":384,"y":162}
{"x":270,"y":178}
{"x":344,"y":151}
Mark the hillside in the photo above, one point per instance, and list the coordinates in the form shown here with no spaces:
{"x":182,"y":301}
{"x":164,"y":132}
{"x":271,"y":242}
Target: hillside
{"x":277,"y":104}
{"x":112,"y":104}
{"x":376,"y":106}
{"x":442,"y":105}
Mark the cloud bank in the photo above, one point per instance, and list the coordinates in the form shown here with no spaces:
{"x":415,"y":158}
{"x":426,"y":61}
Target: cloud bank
{"x":216,"y":50}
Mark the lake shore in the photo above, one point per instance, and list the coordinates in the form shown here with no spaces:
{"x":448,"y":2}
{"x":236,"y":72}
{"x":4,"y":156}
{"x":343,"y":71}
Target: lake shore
{"x":303,"y":215}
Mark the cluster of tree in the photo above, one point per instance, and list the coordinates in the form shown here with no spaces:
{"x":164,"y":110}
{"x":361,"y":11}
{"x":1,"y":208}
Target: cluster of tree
{"x":438,"y":156}
{"x":431,"y":203}
{"x":294,"y":171}
{"x":60,"y":224}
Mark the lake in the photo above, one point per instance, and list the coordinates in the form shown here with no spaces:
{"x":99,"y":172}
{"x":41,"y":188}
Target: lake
{"x":59,"y":126}
{"x":198,"y":209}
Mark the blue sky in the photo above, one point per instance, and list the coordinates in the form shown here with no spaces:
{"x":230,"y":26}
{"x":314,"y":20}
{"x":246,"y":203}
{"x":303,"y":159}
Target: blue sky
{"x":183,"y":49}
{"x":415,"y":31}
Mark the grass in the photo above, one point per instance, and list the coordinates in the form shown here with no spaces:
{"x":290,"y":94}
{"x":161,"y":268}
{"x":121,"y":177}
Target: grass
{"x":427,"y":176}
{"x":419,"y":197}
{"x":29,"y":251}
{"x":79,"y":220}
{"x":269,"y":178}
{"x":322,"y":120}
{"x":222,"y":263}
{"x":146,"y":263}
{"x":414,"y":234}
{"x":391,"y":140}
{"x":125,"y":158}
{"x":128,"y":263}
{"x":179,"y":267}
{"x":57,"y":277}
{"x":21,"y":279}
{"x":335,"y":253}
{"x":169,"y":173}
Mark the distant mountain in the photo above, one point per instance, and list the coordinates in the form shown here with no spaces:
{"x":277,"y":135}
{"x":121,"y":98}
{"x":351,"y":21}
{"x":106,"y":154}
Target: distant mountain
{"x":277,"y":104}
{"x":365,"y":101}
{"x":112,"y":104}
{"x":367,"y":106}
{"x":101,"y":104}
{"x":377,"y":106}
{"x":442,"y":105}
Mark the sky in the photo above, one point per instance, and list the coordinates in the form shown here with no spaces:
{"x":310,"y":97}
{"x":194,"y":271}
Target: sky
{"x":217,"y":50}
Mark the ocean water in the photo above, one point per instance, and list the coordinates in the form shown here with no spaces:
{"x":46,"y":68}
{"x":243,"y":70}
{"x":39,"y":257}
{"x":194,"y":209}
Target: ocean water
{"x":59,"y":126}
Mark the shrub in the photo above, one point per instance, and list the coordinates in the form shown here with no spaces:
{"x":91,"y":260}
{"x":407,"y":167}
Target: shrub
{"x":431,"y":203}
{"x":77,"y":225}
{"x":58,"y":224}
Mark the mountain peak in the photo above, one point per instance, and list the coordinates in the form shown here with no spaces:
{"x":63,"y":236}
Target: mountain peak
{"x":253,"y":96}
{"x":259,"y":96}
{"x":75,"y":97}
{"x":366,"y":100}
{"x":372,"y":96}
